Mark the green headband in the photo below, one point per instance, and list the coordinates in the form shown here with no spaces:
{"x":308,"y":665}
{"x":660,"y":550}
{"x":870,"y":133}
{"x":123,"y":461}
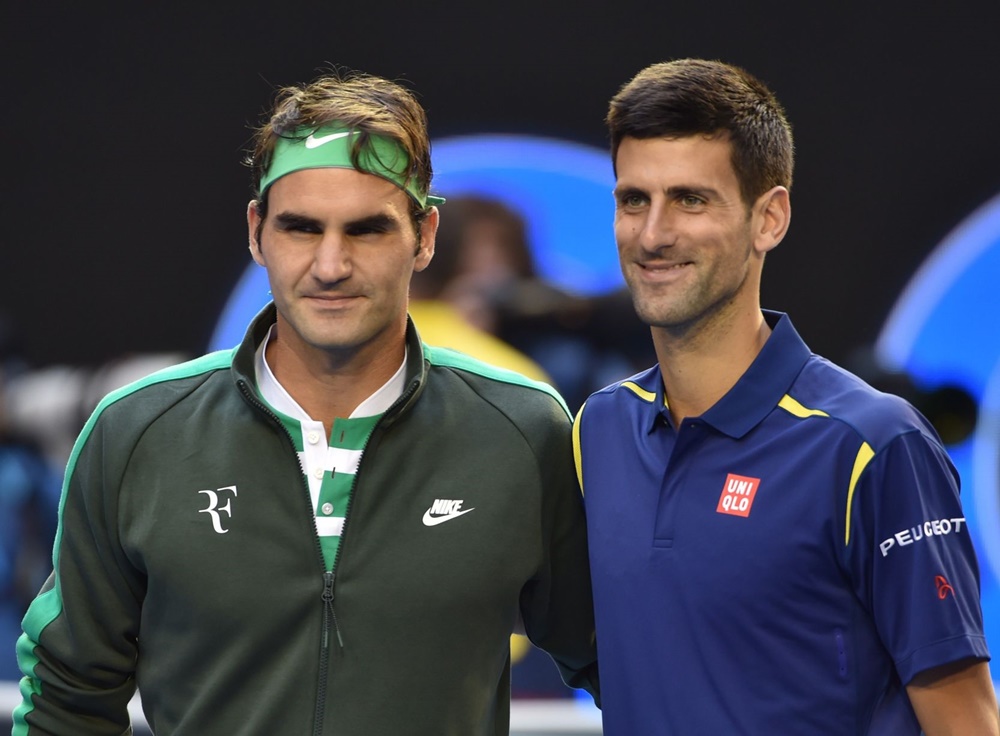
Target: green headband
{"x":329,"y":146}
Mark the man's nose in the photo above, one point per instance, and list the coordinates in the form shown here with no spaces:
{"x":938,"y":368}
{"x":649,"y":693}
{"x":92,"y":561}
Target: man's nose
{"x":332,"y":259}
{"x":659,"y":228}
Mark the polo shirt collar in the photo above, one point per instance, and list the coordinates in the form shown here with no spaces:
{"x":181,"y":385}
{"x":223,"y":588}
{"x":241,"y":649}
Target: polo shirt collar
{"x":757,"y":392}
{"x":764,"y":383}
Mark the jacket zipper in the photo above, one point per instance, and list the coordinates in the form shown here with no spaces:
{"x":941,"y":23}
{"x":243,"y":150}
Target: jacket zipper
{"x":329,"y":613}
{"x":327,"y":595}
{"x":324,"y":657}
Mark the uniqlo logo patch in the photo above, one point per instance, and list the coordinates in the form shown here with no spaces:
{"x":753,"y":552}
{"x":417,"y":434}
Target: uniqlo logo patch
{"x":737,"y":495}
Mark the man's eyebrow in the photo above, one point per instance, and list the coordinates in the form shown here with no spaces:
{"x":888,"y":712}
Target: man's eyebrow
{"x":683,"y":191}
{"x":379,"y":221}
{"x":289,"y":220}
{"x":625,"y":190}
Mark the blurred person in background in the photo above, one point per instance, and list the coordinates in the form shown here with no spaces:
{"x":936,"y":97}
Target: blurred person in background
{"x":332,"y":528}
{"x":29,"y":500}
{"x":489,"y":277}
{"x":452,"y":304}
{"x":486,"y":253}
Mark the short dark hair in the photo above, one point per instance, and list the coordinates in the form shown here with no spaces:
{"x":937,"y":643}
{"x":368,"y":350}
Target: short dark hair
{"x":689,"y":97}
{"x":370,"y":104}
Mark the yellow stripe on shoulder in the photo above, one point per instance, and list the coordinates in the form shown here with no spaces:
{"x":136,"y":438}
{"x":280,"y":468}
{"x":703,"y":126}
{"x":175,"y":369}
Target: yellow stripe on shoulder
{"x":577,"y":454}
{"x":864,"y":456}
{"x":796,"y":409}
{"x":639,"y":391}
{"x":861,"y":460}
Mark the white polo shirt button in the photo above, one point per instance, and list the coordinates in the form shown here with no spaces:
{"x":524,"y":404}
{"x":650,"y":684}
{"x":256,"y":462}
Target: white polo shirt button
{"x":327,"y":508}
{"x":312,"y":438}
{"x":318,"y":473}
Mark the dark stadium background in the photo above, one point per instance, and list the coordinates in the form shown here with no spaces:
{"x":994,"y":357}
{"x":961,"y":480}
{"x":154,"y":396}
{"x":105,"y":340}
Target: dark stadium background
{"x":123,"y":196}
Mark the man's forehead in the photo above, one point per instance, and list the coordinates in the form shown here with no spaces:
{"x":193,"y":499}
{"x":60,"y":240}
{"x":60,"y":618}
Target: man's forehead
{"x":657,"y":157}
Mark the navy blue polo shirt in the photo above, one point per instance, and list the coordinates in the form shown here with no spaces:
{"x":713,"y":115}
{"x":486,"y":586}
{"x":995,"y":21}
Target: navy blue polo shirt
{"x":784,"y":563}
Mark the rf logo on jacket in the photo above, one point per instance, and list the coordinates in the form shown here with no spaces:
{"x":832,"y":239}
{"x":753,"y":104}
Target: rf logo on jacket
{"x":214,"y":498}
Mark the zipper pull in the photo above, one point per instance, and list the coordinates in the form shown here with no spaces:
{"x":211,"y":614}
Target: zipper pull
{"x":327,"y":607}
{"x":330,"y":614}
{"x":328,"y":588}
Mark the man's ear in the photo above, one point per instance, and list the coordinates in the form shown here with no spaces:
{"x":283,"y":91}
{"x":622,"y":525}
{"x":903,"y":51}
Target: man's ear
{"x":253,"y":227}
{"x":428,"y":235}
{"x":770,"y":218}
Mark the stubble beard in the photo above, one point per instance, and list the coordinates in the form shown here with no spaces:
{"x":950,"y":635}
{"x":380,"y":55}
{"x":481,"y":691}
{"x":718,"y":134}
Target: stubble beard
{"x":667,"y":308}
{"x":683,"y":312}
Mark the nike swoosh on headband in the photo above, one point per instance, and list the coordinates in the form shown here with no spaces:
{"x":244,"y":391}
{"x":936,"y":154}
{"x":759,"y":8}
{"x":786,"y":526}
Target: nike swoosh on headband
{"x":313,"y":142}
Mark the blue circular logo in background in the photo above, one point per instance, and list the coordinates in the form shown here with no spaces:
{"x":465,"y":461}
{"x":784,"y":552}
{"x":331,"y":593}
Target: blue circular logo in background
{"x":945,"y":330}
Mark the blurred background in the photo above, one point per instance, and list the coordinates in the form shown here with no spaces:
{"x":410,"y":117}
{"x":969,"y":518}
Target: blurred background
{"x":123,"y":200}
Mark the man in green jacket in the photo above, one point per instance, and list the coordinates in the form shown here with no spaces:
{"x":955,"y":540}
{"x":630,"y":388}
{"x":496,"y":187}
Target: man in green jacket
{"x":332,"y":528}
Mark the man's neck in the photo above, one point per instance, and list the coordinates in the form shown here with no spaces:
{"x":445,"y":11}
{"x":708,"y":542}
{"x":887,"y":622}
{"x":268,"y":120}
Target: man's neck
{"x":700,"y":365}
{"x":326,"y":386}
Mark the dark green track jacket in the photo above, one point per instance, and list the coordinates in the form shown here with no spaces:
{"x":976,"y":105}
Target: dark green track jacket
{"x":187,"y":562}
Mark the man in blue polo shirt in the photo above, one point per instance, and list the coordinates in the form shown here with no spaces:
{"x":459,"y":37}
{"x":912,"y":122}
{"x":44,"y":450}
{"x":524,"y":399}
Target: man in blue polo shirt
{"x":776,"y":547}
